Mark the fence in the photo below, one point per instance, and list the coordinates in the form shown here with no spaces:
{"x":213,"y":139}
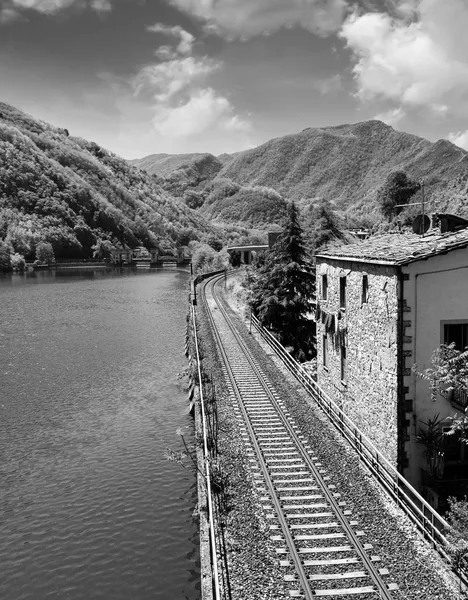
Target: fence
{"x":421,"y":513}
{"x":206,"y":459}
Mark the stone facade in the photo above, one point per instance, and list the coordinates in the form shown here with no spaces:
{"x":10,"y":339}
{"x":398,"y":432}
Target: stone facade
{"x":361,"y":370}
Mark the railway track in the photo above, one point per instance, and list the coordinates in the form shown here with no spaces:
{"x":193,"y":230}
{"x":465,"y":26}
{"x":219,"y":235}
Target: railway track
{"x":318,"y":544}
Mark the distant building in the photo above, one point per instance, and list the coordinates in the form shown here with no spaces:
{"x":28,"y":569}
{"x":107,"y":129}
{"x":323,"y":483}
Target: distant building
{"x":384,"y":304}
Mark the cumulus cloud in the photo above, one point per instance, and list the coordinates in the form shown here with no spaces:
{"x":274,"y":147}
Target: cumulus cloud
{"x":391,"y":117}
{"x":13,"y":9}
{"x":166,"y":80}
{"x":186,"y":39}
{"x":460,"y":139}
{"x":184,"y":107}
{"x":204,"y":110}
{"x":246,"y":18}
{"x":419,"y":59}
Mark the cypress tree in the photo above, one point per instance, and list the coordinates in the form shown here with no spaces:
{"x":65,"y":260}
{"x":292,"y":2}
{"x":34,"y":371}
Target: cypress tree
{"x":283,"y":293}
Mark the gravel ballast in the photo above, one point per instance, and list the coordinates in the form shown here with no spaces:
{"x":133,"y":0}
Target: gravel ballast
{"x":254,"y":571}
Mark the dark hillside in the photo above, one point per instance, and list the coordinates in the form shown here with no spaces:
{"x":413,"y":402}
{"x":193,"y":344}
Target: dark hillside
{"x":78,"y":196}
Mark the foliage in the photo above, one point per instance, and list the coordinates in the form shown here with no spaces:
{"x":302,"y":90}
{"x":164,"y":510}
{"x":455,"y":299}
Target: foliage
{"x":45,"y":253}
{"x":17,"y":262}
{"x":215,"y":243}
{"x":322,"y":226}
{"x":448,"y":374}
{"x":283,"y":289}
{"x":433,"y":439}
{"x":398,"y":188}
{"x":5,"y":257}
{"x":205,"y":259}
{"x":457,"y":517}
{"x":254,"y":206}
{"x":72,"y":193}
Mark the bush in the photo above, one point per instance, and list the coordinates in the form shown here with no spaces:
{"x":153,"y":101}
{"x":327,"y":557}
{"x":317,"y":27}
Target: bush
{"x":45,"y":253}
{"x":5,"y":257}
{"x":17,"y":262}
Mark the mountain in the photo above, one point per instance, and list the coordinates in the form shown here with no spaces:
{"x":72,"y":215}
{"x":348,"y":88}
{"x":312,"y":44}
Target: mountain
{"x":78,"y":196}
{"x":345,"y":165}
{"x":163,"y":165}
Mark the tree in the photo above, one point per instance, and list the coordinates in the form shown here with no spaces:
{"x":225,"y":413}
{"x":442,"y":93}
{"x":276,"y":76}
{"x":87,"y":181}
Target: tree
{"x":323,"y":226}
{"x":5,"y":257}
{"x":398,"y":188}
{"x":449,"y":374}
{"x":282,"y":295}
{"x":457,"y":517}
{"x":45,"y":253}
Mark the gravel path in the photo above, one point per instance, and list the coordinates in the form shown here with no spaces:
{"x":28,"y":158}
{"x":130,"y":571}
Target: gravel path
{"x":253,"y":567}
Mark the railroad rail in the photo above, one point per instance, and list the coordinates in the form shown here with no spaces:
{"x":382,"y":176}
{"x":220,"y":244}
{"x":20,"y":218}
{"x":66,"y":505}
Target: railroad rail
{"x":318,"y":543}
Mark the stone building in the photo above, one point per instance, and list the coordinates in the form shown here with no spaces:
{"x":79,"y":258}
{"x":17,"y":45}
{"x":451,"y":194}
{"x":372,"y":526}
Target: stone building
{"x":384,"y":304}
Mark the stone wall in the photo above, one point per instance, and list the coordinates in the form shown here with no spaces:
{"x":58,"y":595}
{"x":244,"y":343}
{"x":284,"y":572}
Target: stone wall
{"x":369,"y":332}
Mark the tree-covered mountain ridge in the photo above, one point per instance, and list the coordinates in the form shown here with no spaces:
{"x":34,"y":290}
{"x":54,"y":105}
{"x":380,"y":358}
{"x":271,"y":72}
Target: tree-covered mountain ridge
{"x":346,"y":165}
{"x":82,"y":199}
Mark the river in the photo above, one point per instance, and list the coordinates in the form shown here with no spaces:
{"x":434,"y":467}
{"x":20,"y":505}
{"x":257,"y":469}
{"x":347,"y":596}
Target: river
{"x":89,"y":400}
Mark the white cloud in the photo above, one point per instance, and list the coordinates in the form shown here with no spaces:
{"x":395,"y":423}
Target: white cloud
{"x":246,"y":18}
{"x":391,"y":117}
{"x":205,"y":110}
{"x":165,"y":81}
{"x":418,"y":61}
{"x":186,"y":112}
{"x":13,"y":9}
{"x":460,"y":139}
{"x":186,"y":39}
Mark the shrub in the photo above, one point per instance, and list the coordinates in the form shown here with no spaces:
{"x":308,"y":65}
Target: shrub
{"x":45,"y":253}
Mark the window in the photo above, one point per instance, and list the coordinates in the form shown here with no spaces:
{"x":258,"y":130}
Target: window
{"x":365,"y":289}
{"x":342,"y":292}
{"x":456,"y":333}
{"x":343,"y":363}
{"x":325,"y":351}
{"x":324,"y":287}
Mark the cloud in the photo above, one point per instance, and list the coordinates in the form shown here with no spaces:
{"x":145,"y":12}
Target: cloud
{"x":185,"y":110}
{"x":13,"y":9}
{"x":459,"y":139}
{"x":247,"y":18}
{"x":166,"y":80}
{"x":205,"y":110}
{"x":186,"y":39}
{"x":417,"y":59}
{"x":330,"y":85}
{"x":391,"y":117}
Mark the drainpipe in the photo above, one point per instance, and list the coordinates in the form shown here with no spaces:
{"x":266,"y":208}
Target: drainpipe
{"x":401,"y":455}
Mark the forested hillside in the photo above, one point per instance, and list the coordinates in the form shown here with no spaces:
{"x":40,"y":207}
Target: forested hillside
{"x":347,"y":164}
{"x":344,"y":165}
{"x":79,"y":197}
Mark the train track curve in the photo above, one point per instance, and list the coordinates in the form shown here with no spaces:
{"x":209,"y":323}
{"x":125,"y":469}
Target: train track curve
{"x":318,"y":543}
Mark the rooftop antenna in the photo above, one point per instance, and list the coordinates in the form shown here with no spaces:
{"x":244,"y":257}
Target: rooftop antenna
{"x":422,"y":222}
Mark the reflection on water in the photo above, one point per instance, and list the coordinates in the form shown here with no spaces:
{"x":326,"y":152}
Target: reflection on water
{"x":89,"y":400}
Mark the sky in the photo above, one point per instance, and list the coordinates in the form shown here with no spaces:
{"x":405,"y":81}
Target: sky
{"x":150,"y":76}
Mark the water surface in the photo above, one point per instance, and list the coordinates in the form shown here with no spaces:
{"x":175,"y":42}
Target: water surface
{"x":89,"y":400}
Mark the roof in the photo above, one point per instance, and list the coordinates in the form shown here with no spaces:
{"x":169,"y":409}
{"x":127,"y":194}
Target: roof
{"x":399,"y":248}
{"x":257,"y":247}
